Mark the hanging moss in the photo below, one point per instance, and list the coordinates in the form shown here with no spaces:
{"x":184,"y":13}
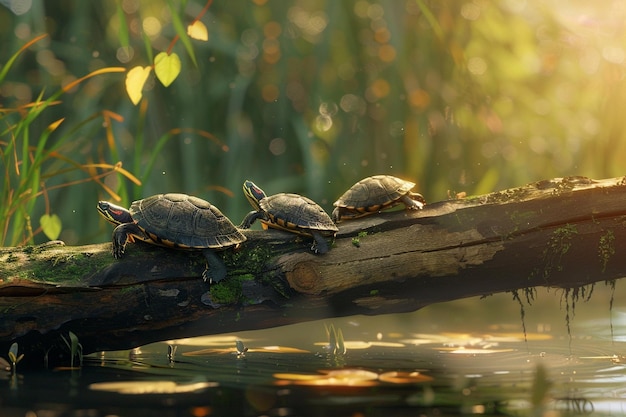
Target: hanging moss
{"x":606,"y":248}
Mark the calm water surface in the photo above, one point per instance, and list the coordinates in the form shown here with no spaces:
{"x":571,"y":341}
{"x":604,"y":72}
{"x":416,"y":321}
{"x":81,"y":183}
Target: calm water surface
{"x":468,"y":357}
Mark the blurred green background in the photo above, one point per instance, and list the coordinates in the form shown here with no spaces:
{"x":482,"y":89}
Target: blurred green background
{"x":310,"y":96}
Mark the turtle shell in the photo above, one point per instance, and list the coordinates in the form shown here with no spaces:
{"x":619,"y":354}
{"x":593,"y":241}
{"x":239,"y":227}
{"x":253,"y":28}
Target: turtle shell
{"x":374,"y":193}
{"x":298,"y":214}
{"x":183,"y":221}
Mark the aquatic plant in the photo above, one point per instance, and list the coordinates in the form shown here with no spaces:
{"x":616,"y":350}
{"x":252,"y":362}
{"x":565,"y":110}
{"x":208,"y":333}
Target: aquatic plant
{"x":75,"y":348}
{"x":14,"y":357}
{"x":336,"y":344}
{"x":171,"y":352}
{"x":241,"y":349}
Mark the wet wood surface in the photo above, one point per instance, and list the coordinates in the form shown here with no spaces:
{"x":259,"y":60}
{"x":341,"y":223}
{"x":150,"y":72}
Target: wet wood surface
{"x":565,"y":233}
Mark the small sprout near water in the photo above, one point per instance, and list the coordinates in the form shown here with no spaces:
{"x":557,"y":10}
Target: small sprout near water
{"x":241,"y":349}
{"x":336,"y":344}
{"x":171,"y":352}
{"x":14,"y":357}
{"x":341,"y":346}
{"x":75,"y":348}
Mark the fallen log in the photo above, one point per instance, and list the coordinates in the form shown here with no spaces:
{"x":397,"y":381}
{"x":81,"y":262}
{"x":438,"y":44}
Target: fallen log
{"x":565,"y":233}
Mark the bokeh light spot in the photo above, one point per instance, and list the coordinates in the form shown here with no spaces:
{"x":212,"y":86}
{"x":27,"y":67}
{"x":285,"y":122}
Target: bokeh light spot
{"x":20,"y":7}
{"x":470,"y":11}
{"x":419,"y":98}
{"x":277,"y":146}
{"x":270,"y":92}
{"x":477,"y":66}
{"x":382,"y":35}
{"x":130,"y":6}
{"x":378,"y":89}
{"x":272,"y":29}
{"x":125,"y":54}
{"x":387,"y":53}
{"x":151,"y":26}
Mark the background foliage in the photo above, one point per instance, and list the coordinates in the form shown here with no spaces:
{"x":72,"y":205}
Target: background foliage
{"x":306,"y":96}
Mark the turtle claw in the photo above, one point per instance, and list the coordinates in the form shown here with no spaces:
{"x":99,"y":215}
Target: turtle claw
{"x":118,"y":252}
{"x":211,"y":279}
{"x":314,"y":248}
{"x":118,"y":249}
{"x":215,"y":270}
{"x":206,"y":277}
{"x":320,"y":245}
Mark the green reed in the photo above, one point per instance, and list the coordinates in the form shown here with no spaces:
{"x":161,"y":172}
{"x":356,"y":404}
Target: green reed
{"x":32,"y":161}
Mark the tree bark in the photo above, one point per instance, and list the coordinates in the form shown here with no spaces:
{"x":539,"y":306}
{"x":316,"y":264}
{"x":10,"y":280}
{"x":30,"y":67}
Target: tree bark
{"x":563,"y":232}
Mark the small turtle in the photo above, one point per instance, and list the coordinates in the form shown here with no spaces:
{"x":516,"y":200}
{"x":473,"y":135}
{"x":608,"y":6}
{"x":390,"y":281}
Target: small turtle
{"x":175,"y":221}
{"x":373,"y":194}
{"x":291,"y":212}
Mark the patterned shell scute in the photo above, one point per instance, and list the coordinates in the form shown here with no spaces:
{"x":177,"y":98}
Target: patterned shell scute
{"x":185,"y":221}
{"x":298,"y":212}
{"x":379,"y":190}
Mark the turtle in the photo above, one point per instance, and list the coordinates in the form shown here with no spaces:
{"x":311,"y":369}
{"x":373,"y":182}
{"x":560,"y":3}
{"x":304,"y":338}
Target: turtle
{"x":376,"y":193}
{"x":290,"y":212}
{"x":176,"y":221}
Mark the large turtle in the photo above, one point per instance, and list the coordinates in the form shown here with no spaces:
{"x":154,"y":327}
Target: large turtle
{"x":291,"y":212}
{"x":373,"y":194}
{"x":176,"y":221}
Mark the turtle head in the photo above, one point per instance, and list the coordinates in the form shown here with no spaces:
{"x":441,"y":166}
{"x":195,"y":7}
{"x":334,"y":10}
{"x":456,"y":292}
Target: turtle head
{"x":114,"y":214}
{"x":253,"y":193}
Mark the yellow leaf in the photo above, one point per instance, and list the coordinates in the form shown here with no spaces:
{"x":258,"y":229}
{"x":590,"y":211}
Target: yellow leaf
{"x":166,"y":67}
{"x":135,"y":80}
{"x":50,"y":225}
{"x":197,"y":30}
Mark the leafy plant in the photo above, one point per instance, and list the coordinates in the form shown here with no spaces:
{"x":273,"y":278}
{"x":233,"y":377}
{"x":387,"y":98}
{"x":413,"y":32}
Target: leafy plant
{"x":30,"y":164}
{"x":166,"y":65}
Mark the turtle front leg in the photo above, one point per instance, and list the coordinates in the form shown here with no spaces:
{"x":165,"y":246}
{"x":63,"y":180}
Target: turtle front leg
{"x":320,"y":245}
{"x":413,"y":201}
{"x":123,"y":234}
{"x":215,"y":269}
{"x":251,"y":218}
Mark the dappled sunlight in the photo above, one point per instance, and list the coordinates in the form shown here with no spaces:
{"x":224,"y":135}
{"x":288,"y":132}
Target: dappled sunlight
{"x":234,"y":350}
{"x":134,"y":98}
{"x":342,"y":378}
{"x":150,"y":387}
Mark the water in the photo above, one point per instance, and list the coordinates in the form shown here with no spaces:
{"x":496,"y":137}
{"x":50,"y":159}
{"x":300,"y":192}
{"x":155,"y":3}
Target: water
{"x":467,"y":357}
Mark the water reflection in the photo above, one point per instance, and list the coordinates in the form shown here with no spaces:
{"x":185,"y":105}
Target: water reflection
{"x":469,"y":356}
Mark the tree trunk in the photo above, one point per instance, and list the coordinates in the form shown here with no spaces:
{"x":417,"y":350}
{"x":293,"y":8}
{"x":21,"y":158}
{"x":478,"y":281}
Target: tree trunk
{"x":563,"y":232}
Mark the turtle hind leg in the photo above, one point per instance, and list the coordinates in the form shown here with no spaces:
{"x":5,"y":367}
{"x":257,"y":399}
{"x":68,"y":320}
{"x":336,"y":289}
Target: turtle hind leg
{"x":215,"y":269}
{"x":320,"y":245}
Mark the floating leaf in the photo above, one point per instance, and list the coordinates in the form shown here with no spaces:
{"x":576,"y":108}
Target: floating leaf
{"x":135,"y":80}
{"x":167,"y":67}
{"x":51,"y":225}
{"x":197,"y":30}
